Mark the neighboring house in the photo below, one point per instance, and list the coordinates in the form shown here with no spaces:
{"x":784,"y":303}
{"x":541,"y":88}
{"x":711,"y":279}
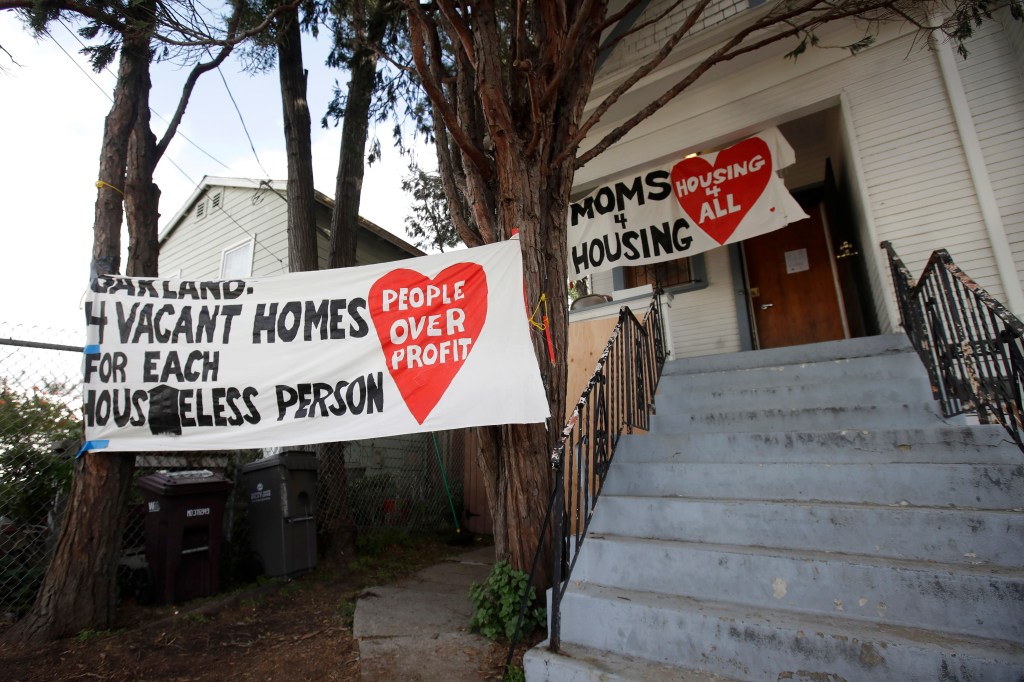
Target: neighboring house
{"x":804,"y":511}
{"x":234,"y":227}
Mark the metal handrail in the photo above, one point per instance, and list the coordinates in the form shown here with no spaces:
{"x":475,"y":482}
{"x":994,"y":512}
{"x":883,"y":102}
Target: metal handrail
{"x":618,"y":398}
{"x":969,"y":342}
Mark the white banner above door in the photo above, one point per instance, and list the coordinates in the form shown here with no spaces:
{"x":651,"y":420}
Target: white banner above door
{"x":699,"y":203}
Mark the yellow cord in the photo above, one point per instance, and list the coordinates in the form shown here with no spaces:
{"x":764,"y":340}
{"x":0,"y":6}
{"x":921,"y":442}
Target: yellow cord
{"x":533,"y":323}
{"x":101,"y":184}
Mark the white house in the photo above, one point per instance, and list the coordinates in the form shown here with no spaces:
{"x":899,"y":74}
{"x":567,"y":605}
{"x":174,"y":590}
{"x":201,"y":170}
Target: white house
{"x":801,"y":509}
{"x":926,"y":150}
{"x":235,"y":227}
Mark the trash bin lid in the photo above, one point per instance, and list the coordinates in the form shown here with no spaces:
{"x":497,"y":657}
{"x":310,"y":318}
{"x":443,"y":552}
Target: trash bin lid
{"x":170,"y":483}
{"x":291,"y":461}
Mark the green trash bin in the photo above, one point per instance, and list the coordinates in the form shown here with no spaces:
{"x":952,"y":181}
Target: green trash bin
{"x":282,"y":512}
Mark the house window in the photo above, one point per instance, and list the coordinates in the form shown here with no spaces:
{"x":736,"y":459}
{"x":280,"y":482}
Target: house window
{"x":236,"y":262}
{"x":668,"y":274}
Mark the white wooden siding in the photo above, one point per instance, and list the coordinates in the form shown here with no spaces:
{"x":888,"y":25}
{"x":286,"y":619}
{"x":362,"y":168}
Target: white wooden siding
{"x":631,"y":52}
{"x":703,"y":322}
{"x":196,"y":245}
{"x":992,"y":81}
{"x":1015,"y":34}
{"x":918,"y":190}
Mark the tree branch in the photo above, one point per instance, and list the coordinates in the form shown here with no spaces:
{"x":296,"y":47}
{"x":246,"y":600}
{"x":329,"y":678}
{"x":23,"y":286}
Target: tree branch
{"x":465,"y":37}
{"x":635,"y":77}
{"x":89,"y":11}
{"x":193,"y":77}
{"x":620,"y":15}
{"x":568,"y":46}
{"x":422,"y":27}
{"x":727,"y":52}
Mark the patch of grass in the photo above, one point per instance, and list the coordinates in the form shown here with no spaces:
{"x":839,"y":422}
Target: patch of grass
{"x":88,"y":634}
{"x":387,"y":554}
{"x":347,"y":611}
{"x":513,"y":673}
{"x":197,"y":618}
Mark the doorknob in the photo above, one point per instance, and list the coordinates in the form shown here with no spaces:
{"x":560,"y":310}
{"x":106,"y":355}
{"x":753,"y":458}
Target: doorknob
{"x":766,"y":306}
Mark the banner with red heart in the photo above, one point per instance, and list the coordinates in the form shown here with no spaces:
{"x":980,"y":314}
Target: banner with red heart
{"x":427,"y":328}
{"x":673,"y":210}
{"x":718,"y":196}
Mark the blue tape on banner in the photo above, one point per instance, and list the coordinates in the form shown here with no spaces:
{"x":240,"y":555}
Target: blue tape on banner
{"x":92,"y":350}
{"x":92,"y":445}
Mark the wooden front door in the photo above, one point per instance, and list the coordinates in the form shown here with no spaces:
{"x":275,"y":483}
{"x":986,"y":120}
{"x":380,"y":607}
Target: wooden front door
{"x":792,"y":284}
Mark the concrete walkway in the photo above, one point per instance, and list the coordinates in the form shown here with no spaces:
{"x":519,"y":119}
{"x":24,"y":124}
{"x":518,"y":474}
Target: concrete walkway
{"x":417,"y":629}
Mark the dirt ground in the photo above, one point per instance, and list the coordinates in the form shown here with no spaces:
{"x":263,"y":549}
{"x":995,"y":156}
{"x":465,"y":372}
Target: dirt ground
{"x":295,"y":630}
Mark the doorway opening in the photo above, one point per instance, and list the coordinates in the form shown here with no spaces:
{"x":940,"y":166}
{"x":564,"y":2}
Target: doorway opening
{"x":808,"y":282}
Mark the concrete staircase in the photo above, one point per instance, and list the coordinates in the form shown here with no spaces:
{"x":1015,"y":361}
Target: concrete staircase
{"x":801,"y":514}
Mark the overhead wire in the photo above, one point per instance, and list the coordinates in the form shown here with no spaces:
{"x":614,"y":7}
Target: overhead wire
{"x":151,"y":109}
{"x":265,"y":184}
{"x":250,"y":234}
{"x":241,"y":118}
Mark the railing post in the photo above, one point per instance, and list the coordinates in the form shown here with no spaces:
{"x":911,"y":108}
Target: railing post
{"x":557,"y":537}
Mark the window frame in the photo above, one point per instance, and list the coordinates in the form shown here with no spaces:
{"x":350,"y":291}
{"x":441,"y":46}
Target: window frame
{"x":251,"y":244}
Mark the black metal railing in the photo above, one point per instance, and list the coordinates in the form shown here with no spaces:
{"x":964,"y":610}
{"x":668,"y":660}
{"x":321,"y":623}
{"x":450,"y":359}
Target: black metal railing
{"x":969,"y":342}
{"x":618,"y":398}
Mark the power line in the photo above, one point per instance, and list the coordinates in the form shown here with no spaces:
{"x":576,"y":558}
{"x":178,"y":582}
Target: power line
{"x":151,"y":109}
{"x":242,"y":119}
{"x":250,"y":234}
{"x":266,"y":182}
{"x":105,"y":93}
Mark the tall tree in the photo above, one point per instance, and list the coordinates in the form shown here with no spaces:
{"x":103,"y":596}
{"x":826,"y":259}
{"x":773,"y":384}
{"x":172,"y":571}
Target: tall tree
{"x":508,"y":83}
{"x":302,"y":240}
{"x":79,"y":589}
{"x":429,"y":224}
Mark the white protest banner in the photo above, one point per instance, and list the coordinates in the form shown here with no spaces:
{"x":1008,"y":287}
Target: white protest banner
{"x":668,"y":212}
{"x":425,"y":344}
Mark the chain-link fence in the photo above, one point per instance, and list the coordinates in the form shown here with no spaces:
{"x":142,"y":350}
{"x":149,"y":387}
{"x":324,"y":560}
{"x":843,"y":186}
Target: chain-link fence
{"x":40,"y":403}
{"x":411,"y":482}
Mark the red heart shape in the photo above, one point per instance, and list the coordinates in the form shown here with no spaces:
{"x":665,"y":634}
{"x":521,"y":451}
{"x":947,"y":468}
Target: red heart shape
{"x":718,"y":197}
{"x":427,"y":327}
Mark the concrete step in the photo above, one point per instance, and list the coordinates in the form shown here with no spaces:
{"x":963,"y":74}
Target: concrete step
{"x":895,"y":532}
{"x":575,"y":663}
{"x":783,"y":418}
{"x":870,"y":347}
{"x":772,"y":644}
{"x":955,"y":599}
{"x":884,"y":369}
{"x":679,"y":395}
{"x":989,"y":486}
{"x":943,"y":445}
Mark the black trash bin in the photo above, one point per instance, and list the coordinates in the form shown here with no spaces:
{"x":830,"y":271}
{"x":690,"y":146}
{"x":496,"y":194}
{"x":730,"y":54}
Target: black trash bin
{"x":282,"y":512}
{"x":184,"y":533}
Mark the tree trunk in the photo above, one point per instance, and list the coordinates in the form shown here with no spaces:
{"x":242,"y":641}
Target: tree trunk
{"x":349,"y":188}
{"x":142,"y":196}
{"x":109,"y":212}
{"x":335,"y":524}
{"x":79,"y":589}
{"x":302,"y":240}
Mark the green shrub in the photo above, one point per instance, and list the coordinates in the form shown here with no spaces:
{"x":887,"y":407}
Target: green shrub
{"x":31,"y":422}
{"x":496,"y":604}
